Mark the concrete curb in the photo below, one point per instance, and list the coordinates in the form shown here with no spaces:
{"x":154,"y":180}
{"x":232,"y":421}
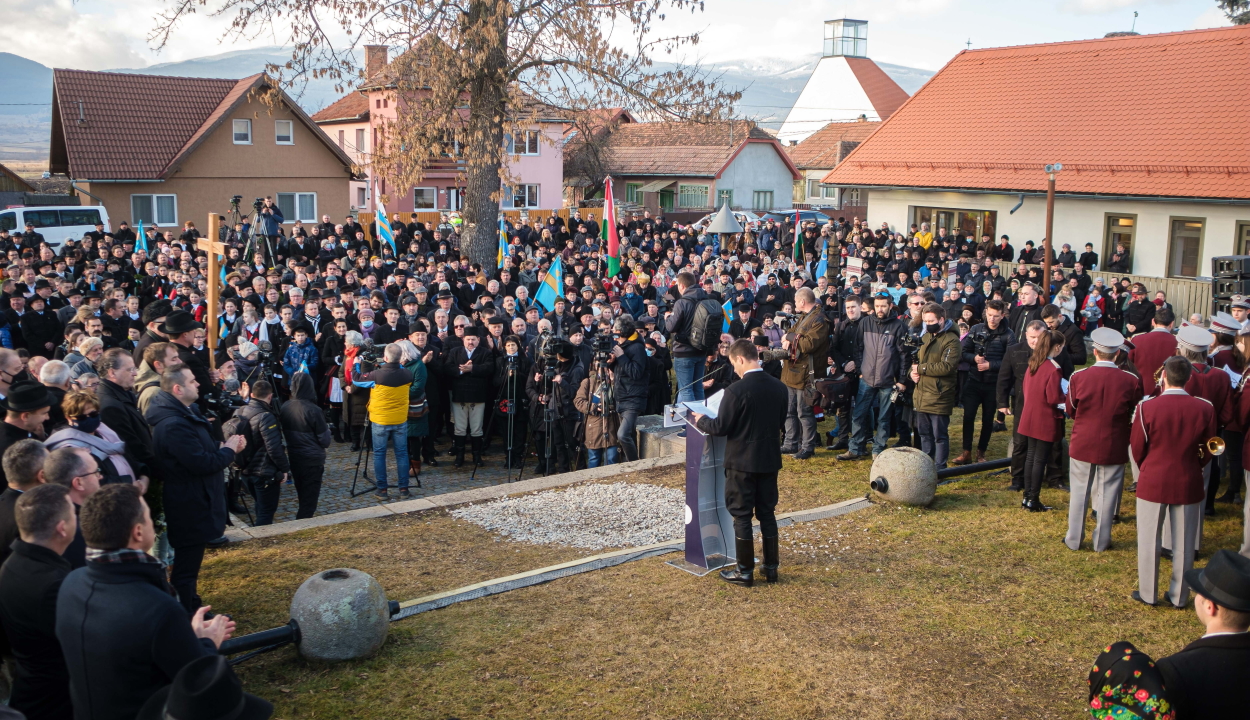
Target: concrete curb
{"x":239,"y":532}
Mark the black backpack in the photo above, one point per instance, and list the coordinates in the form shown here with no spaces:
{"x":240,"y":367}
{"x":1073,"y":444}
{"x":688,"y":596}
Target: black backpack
{"x":240,"y":426}
{"x":706,"y":326}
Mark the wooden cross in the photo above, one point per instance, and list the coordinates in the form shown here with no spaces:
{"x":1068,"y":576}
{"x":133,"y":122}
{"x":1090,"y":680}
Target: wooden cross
{"x":213,"y":247}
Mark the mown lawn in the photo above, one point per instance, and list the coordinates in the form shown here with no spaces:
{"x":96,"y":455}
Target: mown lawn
{"x":972,"y":608}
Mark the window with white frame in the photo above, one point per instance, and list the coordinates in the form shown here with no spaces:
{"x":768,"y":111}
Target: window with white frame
{"x":525,"y":196}
{"x":692,"y":196}
{"x":284,"y":132}
{"x":242,"y":132}
{"x":813,"y":189}
{"x":425,"y":198}
{"x":298,"y":206}
{"x":360,"y":140}
{"x":154,"y":209}
{"x":762,"y":200}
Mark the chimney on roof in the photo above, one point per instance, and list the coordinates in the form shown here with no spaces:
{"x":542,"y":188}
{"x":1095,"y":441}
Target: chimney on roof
{"x":375,"y":59}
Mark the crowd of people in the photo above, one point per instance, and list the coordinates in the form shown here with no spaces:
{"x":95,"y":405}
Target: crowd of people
{"x":126,"y":446}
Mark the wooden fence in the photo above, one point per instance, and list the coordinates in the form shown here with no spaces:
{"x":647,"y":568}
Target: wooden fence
{"x":431,"y":217}
{"x":1187,"y":296}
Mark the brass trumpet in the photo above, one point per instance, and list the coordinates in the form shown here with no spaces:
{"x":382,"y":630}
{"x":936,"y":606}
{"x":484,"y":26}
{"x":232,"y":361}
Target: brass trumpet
{"x":1214,"y":446}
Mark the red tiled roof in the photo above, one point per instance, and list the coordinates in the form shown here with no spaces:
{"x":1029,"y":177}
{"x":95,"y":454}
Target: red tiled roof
{"x":823,"y":148}
{"x":686,"y":149}
{"x":1151,"y":115}
{"x":352,"y":107}
{"x":884,"y":94}
{"x":140,"y":127}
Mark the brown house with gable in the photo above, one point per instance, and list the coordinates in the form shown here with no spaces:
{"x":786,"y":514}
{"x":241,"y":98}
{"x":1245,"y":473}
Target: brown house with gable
{"x":166,"y":150}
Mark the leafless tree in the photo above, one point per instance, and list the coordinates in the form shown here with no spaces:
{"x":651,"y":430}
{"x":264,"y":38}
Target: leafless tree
{"x":468,"y":73}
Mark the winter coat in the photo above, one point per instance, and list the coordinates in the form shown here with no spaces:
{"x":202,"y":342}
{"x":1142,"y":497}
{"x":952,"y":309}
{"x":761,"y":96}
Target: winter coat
{"x":40,"y":329}
{"x":418,"y":427}
{"x":811,"y":337}
{"x":562,"y":394}
{"x":303,"y":424}
{"x":881,"y":355}
{"x":938,"y":367}
{"x":119,"y":410}
{"x":264,"y":440}
{"x":104,"y":445}
{"x":474,"y":386}
{"x":191,"y":462}
{"x":679,"y":321}
{"x":296,"y":354}
{"x":271,"y":224}
{"x":600,"y":429}
{"x":355,"y":400}
{"x":995,"y":348}
{"x":632,"y":376}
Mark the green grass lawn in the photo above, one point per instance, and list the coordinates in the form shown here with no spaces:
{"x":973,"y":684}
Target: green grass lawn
{"x":971,"y":608}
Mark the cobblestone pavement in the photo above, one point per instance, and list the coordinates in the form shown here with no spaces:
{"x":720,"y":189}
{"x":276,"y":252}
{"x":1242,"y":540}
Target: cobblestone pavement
{"x":341,"y":469}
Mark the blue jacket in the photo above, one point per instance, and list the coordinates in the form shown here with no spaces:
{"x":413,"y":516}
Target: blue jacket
{"x":272,"y":223}
{"x":190,"y":462}
{"x":295,"y":354}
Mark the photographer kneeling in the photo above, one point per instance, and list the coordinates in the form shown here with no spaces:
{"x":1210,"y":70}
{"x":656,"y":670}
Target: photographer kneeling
{"x":263,"y":462}
{"x":631,"y":376}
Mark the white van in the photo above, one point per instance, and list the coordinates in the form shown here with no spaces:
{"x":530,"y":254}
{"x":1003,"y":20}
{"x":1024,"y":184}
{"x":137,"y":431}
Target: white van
{"x":56,"y":222}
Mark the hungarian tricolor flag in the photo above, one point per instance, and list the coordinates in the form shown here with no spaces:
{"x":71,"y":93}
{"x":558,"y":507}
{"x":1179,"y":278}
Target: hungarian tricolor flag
{"x":798,"y":239}
{"x":611,"y":242}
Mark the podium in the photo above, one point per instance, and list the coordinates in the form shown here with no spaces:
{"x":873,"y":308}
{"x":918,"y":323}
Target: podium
{"x":709,"y":526}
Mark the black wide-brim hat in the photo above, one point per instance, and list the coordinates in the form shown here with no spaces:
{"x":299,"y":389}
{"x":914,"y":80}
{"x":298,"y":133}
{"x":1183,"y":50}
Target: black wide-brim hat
{"x":1225,"y":580}
{"x":205,"y":689}
{"x":178,"y":322}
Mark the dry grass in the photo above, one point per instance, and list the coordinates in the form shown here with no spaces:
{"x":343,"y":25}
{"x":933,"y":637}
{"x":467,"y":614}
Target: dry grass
{"x":969,"y":609}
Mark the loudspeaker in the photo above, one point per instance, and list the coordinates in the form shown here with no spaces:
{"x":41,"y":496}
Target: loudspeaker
{"x":1230,"y":266}
{"x":1226,"y":287}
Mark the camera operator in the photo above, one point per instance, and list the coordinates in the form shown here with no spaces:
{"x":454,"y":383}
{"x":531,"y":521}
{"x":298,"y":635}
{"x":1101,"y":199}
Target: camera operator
{"x":807,"y":346}
{"x":882,"y":370}
{"x":263,"y":464}
{"x":631,"y":377}
{"x":601,"y":426}
{"x":551,"y":389}
{"x":270,"y":221}
{"x":983,"y":349}
{"x":845,"y":351}
{"x":511,"y":370}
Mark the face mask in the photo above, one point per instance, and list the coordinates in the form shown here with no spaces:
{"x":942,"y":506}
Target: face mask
{"x":650,"y":352}
{"x":366,"y":323}
{"x":933,"y":329}
{"x":90,"y":423}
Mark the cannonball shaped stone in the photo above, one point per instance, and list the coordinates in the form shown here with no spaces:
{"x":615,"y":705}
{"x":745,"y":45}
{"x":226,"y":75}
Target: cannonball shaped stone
{"x":904,"y":475}
{"x":342,"y":614}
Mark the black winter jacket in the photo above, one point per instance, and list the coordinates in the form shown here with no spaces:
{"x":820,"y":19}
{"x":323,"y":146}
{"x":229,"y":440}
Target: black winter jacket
{"x":264,"y":440}
{"x":190,"y":462}
{"x":995,"y":349}
{"x":119,"y":409}
{"x":303,"y":424}
{"x":678,"y":323}
{"x":632,"y":376}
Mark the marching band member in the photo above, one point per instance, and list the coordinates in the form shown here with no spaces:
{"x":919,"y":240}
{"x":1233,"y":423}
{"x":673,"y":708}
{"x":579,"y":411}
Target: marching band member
{"x":1101,"y":399}
{"x":1152,"y":348}
{"x":1169,"y":441}
{"x":1041,"y":421}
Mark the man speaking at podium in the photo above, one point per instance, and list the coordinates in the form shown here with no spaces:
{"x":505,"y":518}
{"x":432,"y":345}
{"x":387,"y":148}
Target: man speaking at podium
{"x":750,"y":417}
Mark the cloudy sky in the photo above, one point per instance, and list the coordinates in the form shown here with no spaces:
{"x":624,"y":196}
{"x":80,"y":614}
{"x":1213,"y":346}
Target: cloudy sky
{"x":101,"y":34}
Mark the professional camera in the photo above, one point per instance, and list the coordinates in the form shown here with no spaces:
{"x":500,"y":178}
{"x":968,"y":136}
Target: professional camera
{"x":235,"y":200}
{"x":547,"y":347}
{"x":785,"y":320}
{"x":911,"y":347}
{"x":370,"y":356}
{"x":602,"y":345}
{"x":223,"y":400}
{"x":260,"y":203}
{"x":980,"y":341}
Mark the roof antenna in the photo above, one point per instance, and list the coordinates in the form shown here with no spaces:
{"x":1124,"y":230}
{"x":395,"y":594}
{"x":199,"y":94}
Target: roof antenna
{"x":1134,"y":28}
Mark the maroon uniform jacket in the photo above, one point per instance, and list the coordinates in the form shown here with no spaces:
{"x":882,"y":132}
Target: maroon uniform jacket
{"x":1101,"y":400}
{"x":1225,"y":358}
{"x":1169,"y":444}
{"x":1041,"y":418}
{"x":1150,"y":351}
{"x":1214,"y":385}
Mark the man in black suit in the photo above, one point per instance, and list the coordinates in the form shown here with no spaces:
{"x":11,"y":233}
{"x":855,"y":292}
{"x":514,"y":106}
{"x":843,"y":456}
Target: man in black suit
{"x":30,"y":581}
{"x":23,"y":468}
{"x":1207,"y":678}
{"x":751,"y":413}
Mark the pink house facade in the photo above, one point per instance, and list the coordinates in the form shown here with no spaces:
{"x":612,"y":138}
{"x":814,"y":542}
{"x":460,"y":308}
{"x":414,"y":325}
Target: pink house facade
{"x":534,"y":158}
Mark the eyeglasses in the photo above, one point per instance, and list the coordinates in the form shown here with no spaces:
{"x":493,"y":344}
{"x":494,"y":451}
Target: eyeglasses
{"x":93,"y":472}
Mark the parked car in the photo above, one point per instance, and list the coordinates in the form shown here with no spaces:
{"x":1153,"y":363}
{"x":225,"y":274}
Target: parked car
{"x":56,"y":223}
{"x":804,"y":215}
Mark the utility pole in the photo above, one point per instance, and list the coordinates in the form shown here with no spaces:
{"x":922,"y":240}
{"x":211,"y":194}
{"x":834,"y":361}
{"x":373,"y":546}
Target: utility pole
{"x":1047,"y":242}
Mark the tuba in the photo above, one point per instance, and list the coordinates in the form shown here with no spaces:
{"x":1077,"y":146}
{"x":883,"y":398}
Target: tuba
{"x":1214,"y":446}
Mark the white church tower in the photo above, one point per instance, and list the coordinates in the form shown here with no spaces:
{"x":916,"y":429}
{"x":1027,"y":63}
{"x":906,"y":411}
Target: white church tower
{"x":844,"y":86}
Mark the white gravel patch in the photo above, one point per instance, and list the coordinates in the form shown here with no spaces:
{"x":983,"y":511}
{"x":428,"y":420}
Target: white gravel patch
{"x":591,"y":516}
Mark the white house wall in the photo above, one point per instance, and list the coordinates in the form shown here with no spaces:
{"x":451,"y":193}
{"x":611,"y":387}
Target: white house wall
{"x":832,"y":93}
{"x":1077,"y":222}
{"x":758,"y":167}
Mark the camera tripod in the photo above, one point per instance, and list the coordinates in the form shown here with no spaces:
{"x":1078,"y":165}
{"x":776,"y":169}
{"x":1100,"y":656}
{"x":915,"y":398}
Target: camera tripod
{"x":507,"y":394}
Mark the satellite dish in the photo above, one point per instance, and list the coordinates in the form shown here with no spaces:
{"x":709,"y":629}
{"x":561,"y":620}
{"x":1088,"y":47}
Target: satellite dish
{"x":724,"y":222}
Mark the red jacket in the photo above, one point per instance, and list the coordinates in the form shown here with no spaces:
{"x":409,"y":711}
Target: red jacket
{"x":1101,"y":400}
{"x":1240,"y":407}
{"x":1041,"y":418}
{"x":1214,"y":385}
{"x":1169,"y":444}
{"x":1150,"y":351}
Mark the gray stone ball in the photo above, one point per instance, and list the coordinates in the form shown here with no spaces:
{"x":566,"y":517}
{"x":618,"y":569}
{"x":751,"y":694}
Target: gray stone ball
{"x":342,"y":614}
{"x":904,"y":475}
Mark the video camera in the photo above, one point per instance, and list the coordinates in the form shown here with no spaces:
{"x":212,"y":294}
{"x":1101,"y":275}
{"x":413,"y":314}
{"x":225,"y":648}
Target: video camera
{"x":980,"y":342}
{"x":258,"y":204}
{"x":602,"y":345}
{"x":370,"y":356}
{"x":911,"y":346}
{"x":785,"y":320}
{"x":223,"y":400}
